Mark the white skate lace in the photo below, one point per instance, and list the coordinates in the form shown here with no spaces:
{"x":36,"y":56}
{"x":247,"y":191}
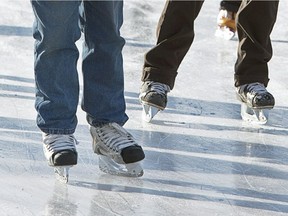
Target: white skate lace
{"x":59,"y":142}
{"x":115,"y":137}
{"x":160,"y":88}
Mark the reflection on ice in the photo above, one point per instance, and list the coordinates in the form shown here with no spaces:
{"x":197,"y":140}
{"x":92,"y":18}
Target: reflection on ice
{"x":59,"y":203}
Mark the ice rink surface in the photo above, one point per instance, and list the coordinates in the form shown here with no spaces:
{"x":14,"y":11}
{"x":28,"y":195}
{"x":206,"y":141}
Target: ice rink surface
{"x":201,"y":158}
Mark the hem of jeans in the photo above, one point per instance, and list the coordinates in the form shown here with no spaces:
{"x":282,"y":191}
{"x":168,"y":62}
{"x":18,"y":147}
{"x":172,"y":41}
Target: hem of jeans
{"x":57,"y":131}
{"x":97,"y":124}
{"x":100,"y":122}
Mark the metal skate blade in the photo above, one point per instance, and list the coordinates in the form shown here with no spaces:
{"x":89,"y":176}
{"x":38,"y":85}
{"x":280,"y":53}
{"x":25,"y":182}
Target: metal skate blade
{"x":149,"y":112}
{"x":109,"y":166}
{"x":256,"y":116}
{"x":62,"y":173}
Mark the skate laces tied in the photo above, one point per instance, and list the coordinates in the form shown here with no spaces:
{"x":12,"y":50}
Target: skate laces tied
{"x":115,"y":137}
{"x":255,"y":88}
{"x":59,"y":142}
{"x":160,"y":88}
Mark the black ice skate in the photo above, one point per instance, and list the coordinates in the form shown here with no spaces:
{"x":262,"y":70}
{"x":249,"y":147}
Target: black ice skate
{"x":153,"y":97}
{"x":256,"y":102}
{"x":118,"y":152}
{"x":60,"y":152}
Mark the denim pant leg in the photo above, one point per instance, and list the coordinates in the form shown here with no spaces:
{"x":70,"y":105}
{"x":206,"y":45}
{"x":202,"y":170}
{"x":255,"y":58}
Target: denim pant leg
{"x":102,"y":67}
{"x":56,"y":29}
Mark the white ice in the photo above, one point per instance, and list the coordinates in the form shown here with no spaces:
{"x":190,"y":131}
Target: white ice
{"x":201,"y":158}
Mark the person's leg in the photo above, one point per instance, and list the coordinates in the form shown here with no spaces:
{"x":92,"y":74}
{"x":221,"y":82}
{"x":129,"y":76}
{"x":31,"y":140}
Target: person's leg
{"x":103,"y":98}
{"x":55,"y":31}
{"x":175,"y":36}
{"x":255,"y":22}
{"x":103,"y":94}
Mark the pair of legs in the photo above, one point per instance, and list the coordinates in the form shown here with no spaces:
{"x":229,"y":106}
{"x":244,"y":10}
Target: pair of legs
{"x":176,"y":33}
{"x":56,"y":29}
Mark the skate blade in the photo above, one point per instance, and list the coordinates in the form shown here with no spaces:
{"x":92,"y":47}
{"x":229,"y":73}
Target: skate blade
{"x":62,"y":173}
{"x":256,"y":116}
{"x":109,"y":166}
{"x":149,"y":112}
{"x":224,"y":33}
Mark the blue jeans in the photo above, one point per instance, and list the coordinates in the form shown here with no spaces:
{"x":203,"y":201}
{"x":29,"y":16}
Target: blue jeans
{"x":57,"y":27}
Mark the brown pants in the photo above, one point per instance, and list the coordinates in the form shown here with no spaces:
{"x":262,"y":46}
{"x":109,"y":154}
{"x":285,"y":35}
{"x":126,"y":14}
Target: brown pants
{"x":176,"y":33}
{"x":255,"y":22}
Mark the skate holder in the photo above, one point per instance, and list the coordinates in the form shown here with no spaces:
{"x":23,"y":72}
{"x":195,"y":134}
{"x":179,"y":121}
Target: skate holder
{"x":62,"y":173}
{"x":255,"y":116}
{"x":109,"y":166}
{"x":149,"y":112}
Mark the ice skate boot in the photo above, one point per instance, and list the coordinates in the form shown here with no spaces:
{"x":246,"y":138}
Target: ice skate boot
{"x":60,"y":152}
{"x":118,"y":152}
{"x":226,"y":25}
{"x":256,"y":102}
{"x":153,"y":97}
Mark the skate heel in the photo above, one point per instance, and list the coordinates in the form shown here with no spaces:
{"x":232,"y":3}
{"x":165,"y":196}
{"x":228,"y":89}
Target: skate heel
{"x":109,"y":166}
{"x":256,"y":116}
{"x":149,"y":112}
{"x":62,"y":173}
